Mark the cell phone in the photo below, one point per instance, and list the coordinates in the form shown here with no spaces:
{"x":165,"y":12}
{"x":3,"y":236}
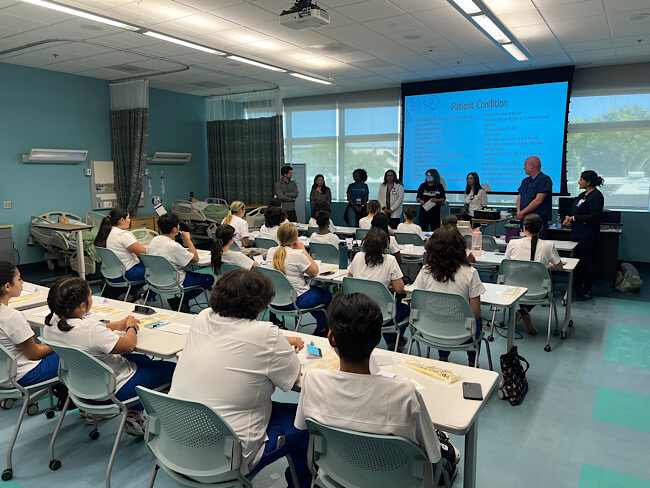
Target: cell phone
{"x":144,"y":310}
{"x":472,"y":391}
{"x":327,"y":273}
{"x":315,"y":351}
{"x":104,"y":321}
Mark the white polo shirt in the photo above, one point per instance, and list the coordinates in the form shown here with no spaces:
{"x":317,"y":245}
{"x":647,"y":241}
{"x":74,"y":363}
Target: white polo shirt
{"x":233,"y":366}
{"x":237,"y":258}
{"x":410,"y":229}
{"x":325,"y":238}
{"x":366,"y":222}
{"x":173,"y":252}
{"x":14,"y":330}
{"x":118,"y":241}
{"x":545,"y":252}
{"x":331,"y":228}
{"x":466,"y":282}
{"x":385,"y":272}
{"x":241,"y":229}
{"x":295,"y":265}
{"x":269,"y":232}
{"x":93,"y":337}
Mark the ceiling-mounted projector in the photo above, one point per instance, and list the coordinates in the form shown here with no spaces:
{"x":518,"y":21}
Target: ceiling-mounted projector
{"x":304,"y":15}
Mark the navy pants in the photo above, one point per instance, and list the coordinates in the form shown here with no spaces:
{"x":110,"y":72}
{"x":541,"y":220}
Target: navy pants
{"x":205,"y":281}
{"x":134,"y":273}
{"x":312,"y":297}
{"x":402,"y":312}
{"x":46,"y":369}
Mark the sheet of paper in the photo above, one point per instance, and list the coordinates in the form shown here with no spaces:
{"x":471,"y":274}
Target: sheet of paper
{"x":175,"y":328}
{"x":428,"y":205}
{"x":258,"y":259}
{"x":382,"y":359}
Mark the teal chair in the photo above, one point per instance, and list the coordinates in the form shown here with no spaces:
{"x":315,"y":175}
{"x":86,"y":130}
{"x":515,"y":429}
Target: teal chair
{"x":234,"y":246}
{"x":265,"y":243}
{"x":191,"y":440}
{"x":379,"y":294}
{"x":408,"y":238}
{"x":8,"y":367}
{"x":285,"y":295}
{"x":162,"y":277}
{"x":444,"y":321}
{"x":327,"y":253}
{"x":311,"y":230}
{"x":537,"y":278}
{"x":227,"y":268}
{"x":488,"y":243}
{"x":112,"y":269}
{"x":345,"y":458}
{"x":88,"y":380}
{"x":359,"y":234}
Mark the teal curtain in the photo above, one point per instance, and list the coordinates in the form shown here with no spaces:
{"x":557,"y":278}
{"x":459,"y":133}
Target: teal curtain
{"x":245,"y":157}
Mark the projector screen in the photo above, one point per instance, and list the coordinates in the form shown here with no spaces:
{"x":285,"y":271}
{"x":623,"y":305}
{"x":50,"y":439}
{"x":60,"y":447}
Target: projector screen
{"x":490,"y":131}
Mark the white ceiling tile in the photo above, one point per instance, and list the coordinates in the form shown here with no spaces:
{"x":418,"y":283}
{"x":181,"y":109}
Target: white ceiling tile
{"x":595,"y":54}
{"x":118,"y":57}
{"x":370,"y":10}
{"x":400,"y":23}
{"x":631,"y":41}
{"x":588,"y":46}
{"x":6,"y":3}
{"x":246,"y":14}
{"x":633,"y":50}
{"x":17,"y":24}
{"x":625,"y":5}
{"x":37,"y":14}
{"x":589,"y":28}
{"x":98,"y":4}
{"x":621,"y":25}
{"x":105,"y":74}
{"x":573,"y":10}
{"x":150,"y":12}
{"x":82,"y":49}
{"x":199,"y":25}
{"x":8,"y":31}
{"x":337,"y":3}
{"x":208,"y":5}
{"x":69,"y":66}
{"x":415,"y":6}
{"x":127,"y":40}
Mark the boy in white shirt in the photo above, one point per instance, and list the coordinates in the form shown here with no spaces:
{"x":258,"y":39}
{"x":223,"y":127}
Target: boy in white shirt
{"x":373,"y":208}
{"x":273,"y":217}
{"x":410,"y":227}
{"x":354,"y":399}
{"x":165,"y":245}
{"x":324,"y":234}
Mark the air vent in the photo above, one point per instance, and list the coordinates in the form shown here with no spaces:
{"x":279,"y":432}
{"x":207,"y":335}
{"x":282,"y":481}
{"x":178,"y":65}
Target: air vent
{"x":334,"y":48}
{"x":207,"y":84}
{"x":128,"y":68}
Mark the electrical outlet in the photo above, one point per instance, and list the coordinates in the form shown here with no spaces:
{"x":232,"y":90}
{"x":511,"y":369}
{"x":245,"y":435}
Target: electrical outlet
{"x":7,"y":204}
{"x":88,"y":172}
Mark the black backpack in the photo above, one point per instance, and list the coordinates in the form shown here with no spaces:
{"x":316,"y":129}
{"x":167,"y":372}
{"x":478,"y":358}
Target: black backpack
{"x":513,"y":385}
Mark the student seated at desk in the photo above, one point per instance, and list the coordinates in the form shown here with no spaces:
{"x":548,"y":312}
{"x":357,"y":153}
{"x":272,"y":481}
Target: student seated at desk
{"x":373,"y":208}
{"x":221,"y":253}
{"x":409,"y":226}
{"x":452,"y":221}
{"x":273,"y":217}
{"x":69,"y":300}
{"x":292,"y":259}
{"x":354,"y":399}
{"x":165,"y":245}
{"x":374,"y":264}
{"x":245,"y":361}
{"x":380,"y":221}
{"x":35,"y":363}
{"x":324,"y":235}
{"x":447,"y":270}
{"x":313,"y":222}
{"x":235,"y":217}
{"x":532,"y":248}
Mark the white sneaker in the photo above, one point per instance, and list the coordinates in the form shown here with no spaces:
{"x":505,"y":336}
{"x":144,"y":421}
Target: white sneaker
{"x":140,"y":301}
{"x":134,"y":424}
{"x":90,"y":417}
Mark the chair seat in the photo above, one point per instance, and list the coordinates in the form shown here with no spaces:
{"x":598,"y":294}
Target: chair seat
{"x":281,"y":311}
{"x":14,"y":393}
{"x":102,"y":409}
{"x":419,"y":336}
{"x":529,"y":299}
{"x":124,"y":284}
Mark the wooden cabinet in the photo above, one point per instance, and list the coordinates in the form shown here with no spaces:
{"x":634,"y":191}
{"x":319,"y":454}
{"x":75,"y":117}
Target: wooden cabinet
{"x":145,"y":221}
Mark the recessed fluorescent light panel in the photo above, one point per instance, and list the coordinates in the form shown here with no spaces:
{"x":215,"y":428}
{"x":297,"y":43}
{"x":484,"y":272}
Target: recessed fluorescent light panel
{"x":468,"y":6}
{"x":256,"y":63}
{"x":311,"y":78}
{"x":81,"y":13}
{"x":181,"y":42}
{"x":491,"y":28}
{"x":515,"y":52}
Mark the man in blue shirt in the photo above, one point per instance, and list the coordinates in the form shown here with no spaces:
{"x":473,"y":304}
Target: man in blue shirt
{"x":535,"y":193}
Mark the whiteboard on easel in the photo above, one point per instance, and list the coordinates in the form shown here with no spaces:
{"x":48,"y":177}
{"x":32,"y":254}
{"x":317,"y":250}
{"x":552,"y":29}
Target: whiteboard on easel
{"x":102,"y":186}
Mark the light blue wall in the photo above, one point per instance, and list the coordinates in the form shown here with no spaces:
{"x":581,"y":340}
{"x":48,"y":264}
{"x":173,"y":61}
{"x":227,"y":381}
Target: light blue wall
{"x":46,"y":109}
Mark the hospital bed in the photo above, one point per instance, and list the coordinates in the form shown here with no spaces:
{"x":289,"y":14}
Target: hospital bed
{"x":199,"y":216}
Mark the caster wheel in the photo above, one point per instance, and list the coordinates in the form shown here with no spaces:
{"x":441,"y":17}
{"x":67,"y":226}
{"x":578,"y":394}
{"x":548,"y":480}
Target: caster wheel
{"x":501,"y":393}
{"x":555,"y":332}
{"x":94,"y":435}
{"x":570,"y":323}
{"x":562,"y":335}
{"x":49,"y":413}
{"x":32,"y":409}
{"x":491,"y":339}
{"x":7,"y":474}
{"x":7,"y":404}
{"x":55,"y":464}
{"x":547,"y":348}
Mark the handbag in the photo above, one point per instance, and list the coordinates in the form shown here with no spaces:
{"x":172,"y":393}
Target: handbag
{"x":513,"y":385}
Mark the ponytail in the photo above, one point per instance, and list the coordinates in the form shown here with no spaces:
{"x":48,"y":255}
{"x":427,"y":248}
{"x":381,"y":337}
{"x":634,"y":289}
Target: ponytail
{"x":375,"y":244}
{"x":533,"y":224}
{"x":222,"y":236}
{"x":533,"y":246}
{"x":235,"y":207}
{"x":287,"y":235}
{"x":7,"y":274}
{"x":64,"y":297}
{"x":113,"y":218}
{"x":279,"y":259}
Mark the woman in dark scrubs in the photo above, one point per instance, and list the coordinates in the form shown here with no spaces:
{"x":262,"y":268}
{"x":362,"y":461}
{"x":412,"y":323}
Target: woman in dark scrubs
{"x":585,"y":230}
{"x":431,"y":190}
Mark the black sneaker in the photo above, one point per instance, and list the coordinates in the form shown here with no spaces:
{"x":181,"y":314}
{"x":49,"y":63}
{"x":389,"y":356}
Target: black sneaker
{"x":452,"y":471}
{"x":447,"y":449}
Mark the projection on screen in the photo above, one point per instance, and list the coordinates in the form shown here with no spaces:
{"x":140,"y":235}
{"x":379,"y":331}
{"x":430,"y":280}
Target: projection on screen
{"x":490,"y":131}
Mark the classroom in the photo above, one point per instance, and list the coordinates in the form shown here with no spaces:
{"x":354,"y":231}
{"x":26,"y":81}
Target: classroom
{"x":443,"y":206}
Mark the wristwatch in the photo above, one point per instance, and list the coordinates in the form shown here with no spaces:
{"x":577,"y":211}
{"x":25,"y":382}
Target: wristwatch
{"x":132,"y":327}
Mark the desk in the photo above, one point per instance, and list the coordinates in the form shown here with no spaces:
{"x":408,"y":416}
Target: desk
{"x":31,"y":297}
{"x":80,"y":243}
{"x":447,"y":408}
{"x":490,"y":221}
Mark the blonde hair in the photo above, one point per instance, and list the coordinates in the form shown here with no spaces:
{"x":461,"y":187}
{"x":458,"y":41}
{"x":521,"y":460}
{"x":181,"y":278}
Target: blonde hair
{"x":235,"y":207}
{"x":287,"y":235}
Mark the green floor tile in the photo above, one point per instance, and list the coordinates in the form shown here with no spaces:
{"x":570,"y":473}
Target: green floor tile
{"x":622,"y":408}
{"x":593,"y":477}
{"x":628,"y":345}
{"x":632,"y":306}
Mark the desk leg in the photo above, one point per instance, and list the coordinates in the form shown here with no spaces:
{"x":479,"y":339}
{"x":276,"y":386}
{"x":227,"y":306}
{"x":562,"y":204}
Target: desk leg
{"x":469,"y":472}
{"x":80,"y":255}
{"x":511,"y":326}
{"x":567,"y":311}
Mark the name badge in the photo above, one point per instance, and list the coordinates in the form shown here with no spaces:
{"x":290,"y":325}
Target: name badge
{"x":358,"y":201}
{"x":580,"y":202}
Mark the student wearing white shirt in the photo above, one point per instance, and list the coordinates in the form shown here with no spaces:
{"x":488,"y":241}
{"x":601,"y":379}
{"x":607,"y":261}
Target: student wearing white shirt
{"x":273,"y":217}
{"x":532,"y":248}
{"x":113,"y":234}
{"x":373,"y":208}
{"x":410,"y":227}
{"x":447,"y":270}
{"x":324,"y":234}
{"x":373,"y":264}
{"x":292,"y":259}
{"x":235,"y":217}
{"x":35,"y":362}
{"x":380,"y":221}
{"x":353,"y":398}
{"x":70,"y":299}
{"x":165,"y":245}
{"x":233,"y":363}
{"x":221,"y":253}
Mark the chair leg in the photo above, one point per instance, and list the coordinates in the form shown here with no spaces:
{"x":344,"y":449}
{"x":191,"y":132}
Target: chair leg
{"x":180,"y":303}
{"x":419,"y":350}
{"x":298,"y":320}
{"x":146,"y":296}
{"x":101,"y":294}
{"x":397,"y":339}
{"x":408,"y":351}
{"x":128,"y":290}
{"x":292,"y":471}
{"x":547,"y":348}
{"x":428,"y":352}
{"x":19,"y":422}
{"x":116,"y":444}
{"x":154,"y":472}
{"x":478,"y":353}
{"x":489,"y":354}
{"x":57,"y":428}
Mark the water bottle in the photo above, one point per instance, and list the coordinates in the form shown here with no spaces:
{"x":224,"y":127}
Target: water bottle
{"x":559,"y":221}
{"x":477,"y":242}
{"x":343,"y":256}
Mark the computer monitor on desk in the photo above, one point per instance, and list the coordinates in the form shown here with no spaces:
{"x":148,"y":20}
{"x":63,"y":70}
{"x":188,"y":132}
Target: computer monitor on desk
{"x":610,"y":218}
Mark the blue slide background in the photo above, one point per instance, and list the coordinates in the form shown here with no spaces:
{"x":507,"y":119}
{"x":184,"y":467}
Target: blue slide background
{"x":494,"y":142}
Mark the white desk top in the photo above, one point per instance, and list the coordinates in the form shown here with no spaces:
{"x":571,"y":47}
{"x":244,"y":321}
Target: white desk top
{"x":567,"y":246}
{"x":497,"y":295}
{"x":32,"y":296}
{"x":496,"y":259}
{"x":204,"y":258}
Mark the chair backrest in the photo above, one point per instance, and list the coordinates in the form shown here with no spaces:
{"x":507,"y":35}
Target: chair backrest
{"x":311,"y":230}
{"x":159,"y":272}
{"x":444,"y":317}
{"x":228,"y":267}
{"x":327,"y":253}
{"x":368,"y":460}
{"x":144,"y":235}
{"x":8,"y":366}
{"x":359,"y":234}
{"x":189,"y":437}
{"x":112,"y":266}
{"x":285,"y":293}
{"x":265,"y":243}
{"x":408,"y":238}
{"x":86,"y":377}
{"x":374,"y":290}
{"x":490,"y":244}
{"x":530,"y":274}
{"x":235,"y":247}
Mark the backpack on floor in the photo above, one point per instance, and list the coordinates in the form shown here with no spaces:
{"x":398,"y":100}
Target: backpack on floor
{"x":513,"y":384}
